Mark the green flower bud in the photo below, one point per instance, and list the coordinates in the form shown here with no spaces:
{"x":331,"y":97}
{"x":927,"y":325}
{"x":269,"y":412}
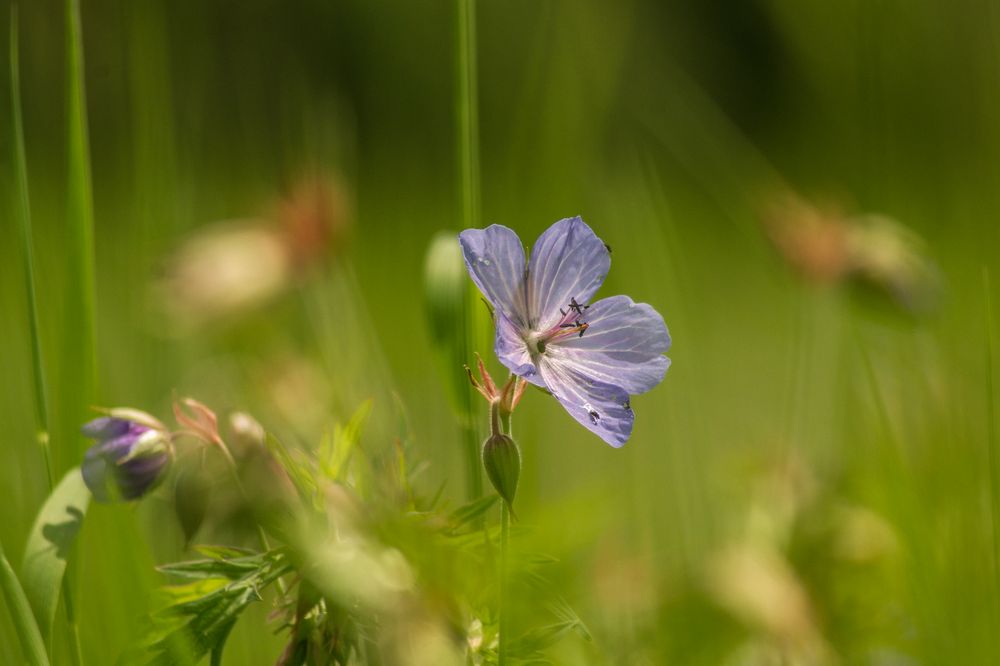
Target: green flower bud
{"x":502,"y":460}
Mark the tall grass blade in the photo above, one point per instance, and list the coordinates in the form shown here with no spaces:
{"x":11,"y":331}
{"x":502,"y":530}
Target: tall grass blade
{"x":78,"y":381}
{"x":20,"y":612}
{"x":991,"y":441}
{"x":467,"y":111}
{"x":27,"y":253}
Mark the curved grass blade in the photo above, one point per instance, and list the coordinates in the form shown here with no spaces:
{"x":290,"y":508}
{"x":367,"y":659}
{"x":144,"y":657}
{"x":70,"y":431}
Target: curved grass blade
{"x":49,"y":544}
{"x":20,"y":612}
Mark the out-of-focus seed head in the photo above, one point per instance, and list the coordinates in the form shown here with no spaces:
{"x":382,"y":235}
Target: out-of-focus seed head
{"x":315,"y":220}
{"x":247,"y":431}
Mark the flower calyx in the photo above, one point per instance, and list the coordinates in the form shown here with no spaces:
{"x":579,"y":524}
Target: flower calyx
{"x":506,"y":397}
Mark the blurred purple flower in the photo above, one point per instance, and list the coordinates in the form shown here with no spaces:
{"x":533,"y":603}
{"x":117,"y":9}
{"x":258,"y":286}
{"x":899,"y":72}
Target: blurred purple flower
{"x":590,"y":356}
{"x":129,"y":458}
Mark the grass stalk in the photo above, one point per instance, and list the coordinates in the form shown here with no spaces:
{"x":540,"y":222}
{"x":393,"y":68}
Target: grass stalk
{"x":27,"y":252}
{"x":80,"y":233}
{"x":41,"y":407}
{"x":467,"y":113}
{"x":991,"y":424}
{"x":81,"y":380}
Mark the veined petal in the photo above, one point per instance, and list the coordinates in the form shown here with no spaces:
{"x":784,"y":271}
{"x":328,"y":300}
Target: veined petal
{"x":635,"y":373}
{"x":567,"y":262}
{"x":494,"y":257}
{"x":623,"y":345}
{"x":603,"y":409}
{"x":512,"y":351}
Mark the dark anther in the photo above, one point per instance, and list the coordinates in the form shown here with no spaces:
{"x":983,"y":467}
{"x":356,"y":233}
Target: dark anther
{"x":608,"y":248}
{"x":583,"y":327}
{"x":576,"y":307}
{"x":594,"y":416}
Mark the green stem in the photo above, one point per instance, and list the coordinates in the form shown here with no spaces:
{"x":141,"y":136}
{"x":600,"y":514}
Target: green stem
{"x":466,"y":111}
{"x":81,"y":355}
{"x":501,"y":422}
{"x":80,"y":275}
{"x":20,"y":612}
{"x":504,"y":605}
{"x":467,"y":108}
{"x":261,"y":535}
{"x":505,"y":424}
{"x":991,"y":443}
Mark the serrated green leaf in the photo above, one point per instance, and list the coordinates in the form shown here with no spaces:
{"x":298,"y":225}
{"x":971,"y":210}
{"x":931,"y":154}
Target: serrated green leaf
{"x":225,"y":552}
{"x":198,"y":616}
{"x":49,"y":546}
{"x":199,"y":569}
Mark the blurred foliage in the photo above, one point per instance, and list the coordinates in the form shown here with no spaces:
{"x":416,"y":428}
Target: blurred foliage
{"x":814,"y":482}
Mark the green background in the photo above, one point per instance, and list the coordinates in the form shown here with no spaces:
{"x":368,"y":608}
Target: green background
{"x":667,"y":126}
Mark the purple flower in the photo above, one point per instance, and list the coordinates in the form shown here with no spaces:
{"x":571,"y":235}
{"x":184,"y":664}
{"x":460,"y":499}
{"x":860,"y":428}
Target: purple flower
{"x":590,"y":356}
{"x":129,"y":459}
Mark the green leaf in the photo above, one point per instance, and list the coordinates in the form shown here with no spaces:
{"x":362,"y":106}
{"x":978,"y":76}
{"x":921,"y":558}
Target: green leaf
{"x":197,"y":616}
{"x":49,"y":545}
{"x":20,"y":613}
{"x":335,"y":452}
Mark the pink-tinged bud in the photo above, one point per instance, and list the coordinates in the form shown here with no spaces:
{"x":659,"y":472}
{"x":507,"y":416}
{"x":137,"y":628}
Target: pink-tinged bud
{"x":511,"y":394}
{"x":198,"y":419}
{"x":247,"y":431}
{"x":502,"y":460}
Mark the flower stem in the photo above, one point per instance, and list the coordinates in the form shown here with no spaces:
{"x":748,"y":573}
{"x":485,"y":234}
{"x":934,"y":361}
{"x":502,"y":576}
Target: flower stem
{"x":503,"y":421}
{"x":504,"y":605}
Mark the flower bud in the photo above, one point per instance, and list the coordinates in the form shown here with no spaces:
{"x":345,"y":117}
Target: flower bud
{"x":128,"y":460}
{"x":247,"y":431}
{"x":502,"y":460}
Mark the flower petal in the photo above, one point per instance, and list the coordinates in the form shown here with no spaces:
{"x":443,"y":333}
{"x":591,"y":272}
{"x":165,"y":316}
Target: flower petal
{"x":494,"y":257}
{"x":105,"y":427}
{"x":567,"y":262}
{"x":512,"y":351}
{"x":95,"y":474}
{"x":623,"y":345}
{"x":603,"y":409}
